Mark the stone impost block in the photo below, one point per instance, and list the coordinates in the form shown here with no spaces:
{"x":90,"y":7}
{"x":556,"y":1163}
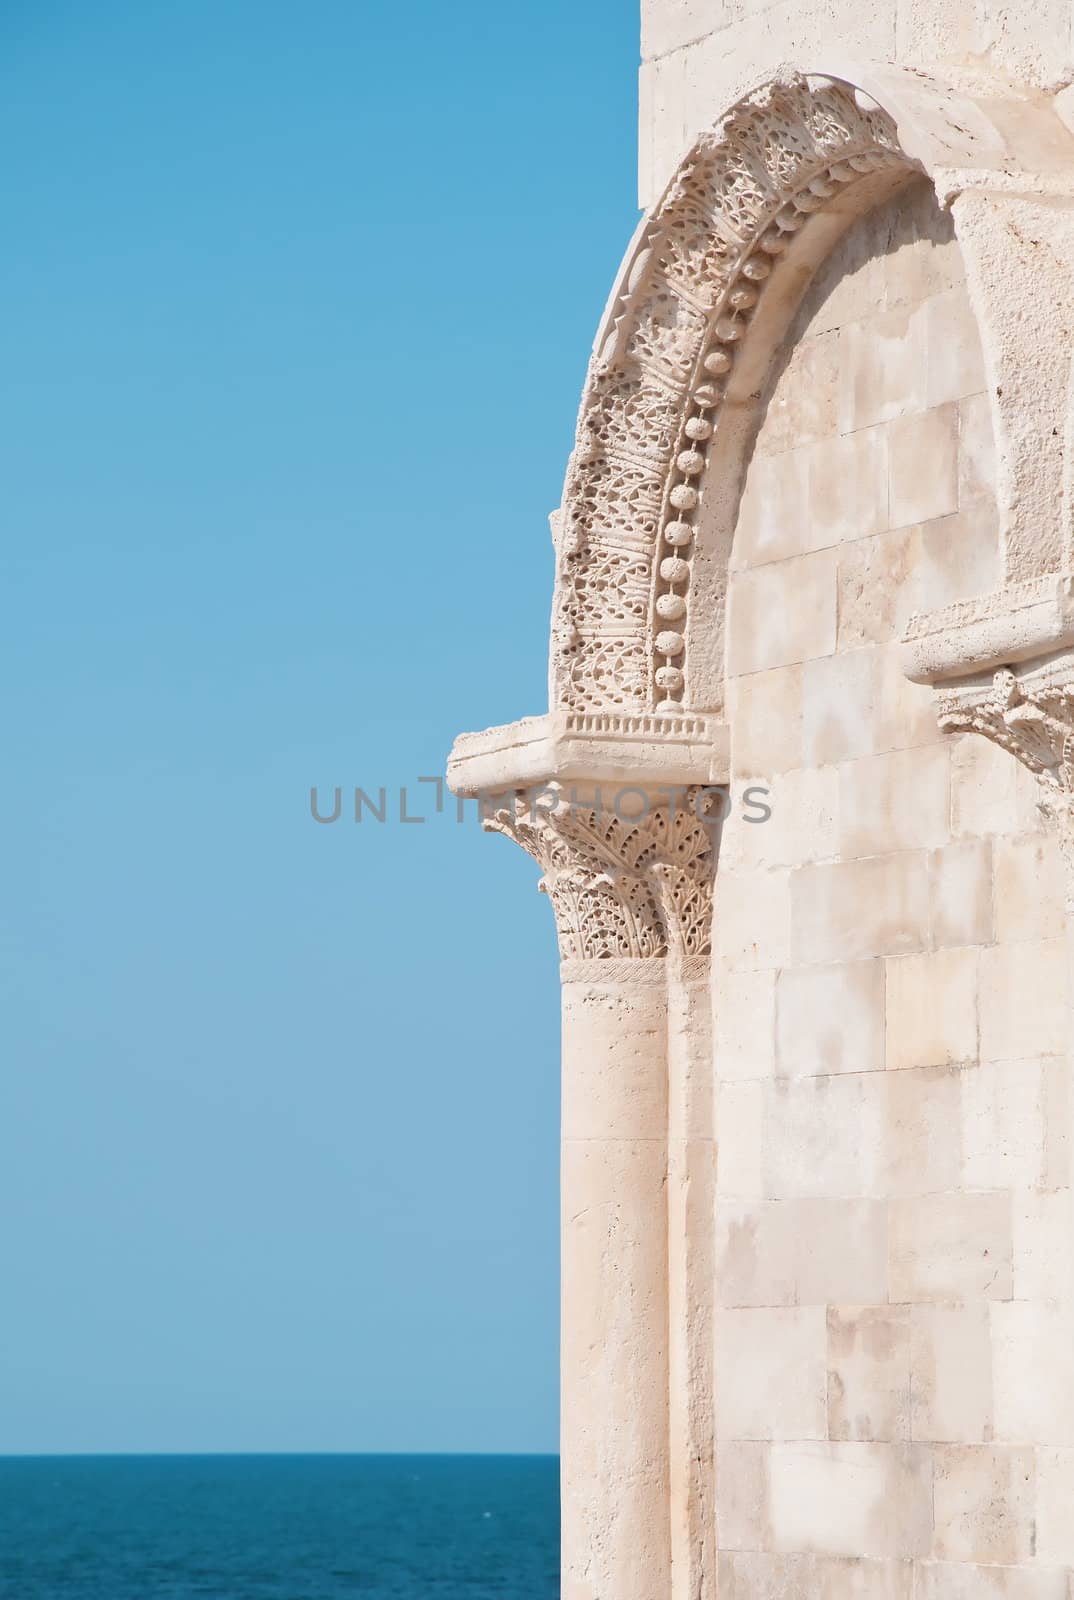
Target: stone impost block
{"x":649,"y":750}
{"x":1029,"y":618}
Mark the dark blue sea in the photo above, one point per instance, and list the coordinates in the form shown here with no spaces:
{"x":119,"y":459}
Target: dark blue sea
{"x":279,"y":1527}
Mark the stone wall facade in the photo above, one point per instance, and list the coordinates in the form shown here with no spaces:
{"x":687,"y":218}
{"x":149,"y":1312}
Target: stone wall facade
{"x":817,"y":545}
{"x":699,"y":56}
{"x":889,"y":1000}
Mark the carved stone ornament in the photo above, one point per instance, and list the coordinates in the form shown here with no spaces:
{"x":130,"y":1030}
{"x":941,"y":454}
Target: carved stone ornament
{"x":620,"y":886}
{"x":651,"y":409}
{"x":672,"y":396}
{"x":1031,"y":716}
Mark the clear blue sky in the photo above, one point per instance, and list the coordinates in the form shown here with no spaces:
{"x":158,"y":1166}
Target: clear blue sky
{"x":296,"y":306}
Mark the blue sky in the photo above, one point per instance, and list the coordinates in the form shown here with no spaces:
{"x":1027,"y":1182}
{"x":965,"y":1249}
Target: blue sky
{"x":296,"y":306}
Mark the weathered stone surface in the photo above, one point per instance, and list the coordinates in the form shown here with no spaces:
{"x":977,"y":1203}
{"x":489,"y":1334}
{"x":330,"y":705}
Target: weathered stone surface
{"x":811,"y":1252}
{"x":962,"y":899}
{"x":951,"y":1373}
{"x":1036,"y":1023}
{"x":851,"y":1499}
{"x":818,"y":1239}
{"x":699,"y":54}
{"x":984,"y":1498}
{"x":951,"y":1247}
{"x":932,"y":1008}
{"x":923,"y":1129}
{"x":771,"y":1373}
{"x":830,"y":1019}
{"x":783,"y":612}
{"x":852,"y":909}
{"x":869,"y":1373}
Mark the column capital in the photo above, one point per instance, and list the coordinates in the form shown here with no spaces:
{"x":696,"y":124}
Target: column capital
{"x":1029,"y":712}
{"x":621,"y":885}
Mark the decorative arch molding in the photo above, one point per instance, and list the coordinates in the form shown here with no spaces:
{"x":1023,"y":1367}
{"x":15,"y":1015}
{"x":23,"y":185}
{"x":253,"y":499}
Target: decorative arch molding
{"x":674,"y":371}
{"x":701,"y":305}
{"x":708,"y":286}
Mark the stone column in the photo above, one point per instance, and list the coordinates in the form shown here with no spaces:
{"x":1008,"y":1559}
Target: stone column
{"x":632,"y":899}
{"x":614,"y":1343}
{"x":691,"y":1278}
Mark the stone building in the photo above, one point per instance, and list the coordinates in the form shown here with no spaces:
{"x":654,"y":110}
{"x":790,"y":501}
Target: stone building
{"x":802,"y":804}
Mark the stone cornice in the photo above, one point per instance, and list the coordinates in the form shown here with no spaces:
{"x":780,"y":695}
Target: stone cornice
{"x":592,"y":747}
{"x":615,"y":809}
{"x":1021,"y":622}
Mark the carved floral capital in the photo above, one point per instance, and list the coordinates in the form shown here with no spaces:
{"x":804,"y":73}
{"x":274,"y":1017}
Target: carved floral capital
{"x":620,"y":886}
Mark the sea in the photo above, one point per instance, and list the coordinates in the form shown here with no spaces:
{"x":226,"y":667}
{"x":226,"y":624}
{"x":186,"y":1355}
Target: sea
{"x":309,"y":1527}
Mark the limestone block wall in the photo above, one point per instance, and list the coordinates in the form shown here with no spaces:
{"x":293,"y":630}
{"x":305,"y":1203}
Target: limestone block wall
{"x":893,"y":1217}
{"x":699,"y":56}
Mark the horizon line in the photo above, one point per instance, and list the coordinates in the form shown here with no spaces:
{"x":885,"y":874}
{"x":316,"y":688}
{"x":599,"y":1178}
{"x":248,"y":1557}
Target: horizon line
{"x":203,"y":1455}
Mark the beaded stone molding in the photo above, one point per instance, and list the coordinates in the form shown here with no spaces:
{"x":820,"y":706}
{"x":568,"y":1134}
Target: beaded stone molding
{"x":650,"y":412}
{"x":621,"y":887}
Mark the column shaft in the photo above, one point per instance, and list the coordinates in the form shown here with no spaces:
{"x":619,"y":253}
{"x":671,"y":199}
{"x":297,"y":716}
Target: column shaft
{"x":691,"y":1221}
{"x":614,"y":1368}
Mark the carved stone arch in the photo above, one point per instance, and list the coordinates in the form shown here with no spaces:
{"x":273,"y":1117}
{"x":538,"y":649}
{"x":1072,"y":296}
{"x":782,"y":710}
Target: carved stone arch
{"x":701,"y":307}
{"x":708,"y":287}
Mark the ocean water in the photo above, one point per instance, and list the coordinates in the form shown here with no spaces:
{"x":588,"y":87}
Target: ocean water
{"x":279,"y":1527}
